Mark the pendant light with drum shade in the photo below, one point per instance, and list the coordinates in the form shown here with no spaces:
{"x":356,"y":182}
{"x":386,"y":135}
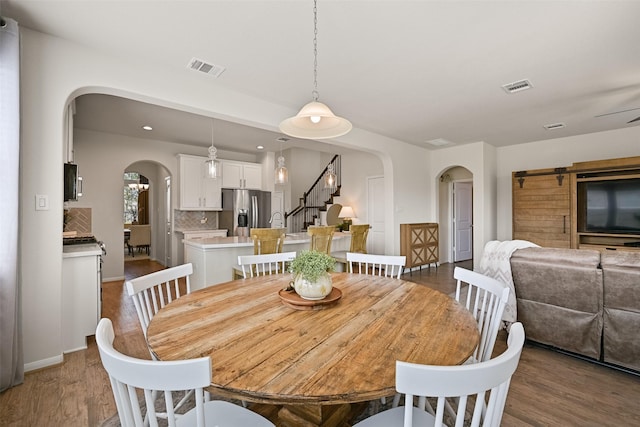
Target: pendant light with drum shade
{"x":214,"y":169}
{"x":315,"y":120}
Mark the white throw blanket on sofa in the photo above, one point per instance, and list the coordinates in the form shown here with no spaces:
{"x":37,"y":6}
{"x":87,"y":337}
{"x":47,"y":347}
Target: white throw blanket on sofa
{"x":495,"y":262}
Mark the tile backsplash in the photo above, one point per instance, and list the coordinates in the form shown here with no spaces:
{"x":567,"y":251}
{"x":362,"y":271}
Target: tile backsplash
{"x":77,"y":219}
{"x":190,"y":220}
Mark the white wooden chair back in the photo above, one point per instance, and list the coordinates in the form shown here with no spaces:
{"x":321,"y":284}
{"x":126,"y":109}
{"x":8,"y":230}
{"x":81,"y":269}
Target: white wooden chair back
{"x":469,"y":384}
{"x":261,"y":265}
{"x":155,"y":290}
{"x":128,"y":374}
{"x":486,"y":299}
{"x":379,"y":265}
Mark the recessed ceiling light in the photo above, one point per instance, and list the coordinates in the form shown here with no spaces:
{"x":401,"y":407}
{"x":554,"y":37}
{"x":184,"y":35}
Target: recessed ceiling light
{"x":147,"y":127}
{"x":260,"y":147}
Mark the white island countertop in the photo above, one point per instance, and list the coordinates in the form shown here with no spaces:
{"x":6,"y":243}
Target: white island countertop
{"x":213,"y":258}
{"x":237,"y":242}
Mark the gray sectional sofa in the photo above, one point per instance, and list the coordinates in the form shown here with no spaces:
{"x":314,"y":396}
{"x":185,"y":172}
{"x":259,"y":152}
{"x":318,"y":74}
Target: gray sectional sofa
{"x":581,"y":301}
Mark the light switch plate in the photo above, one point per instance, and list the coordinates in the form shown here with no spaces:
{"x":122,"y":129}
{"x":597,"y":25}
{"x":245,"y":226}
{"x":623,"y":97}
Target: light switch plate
{"x":42,"y":202}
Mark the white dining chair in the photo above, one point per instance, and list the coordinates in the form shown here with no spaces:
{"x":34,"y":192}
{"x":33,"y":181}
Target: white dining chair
{"x":379,"y":265}
{"x":261,"y":265}
{"x":486,"y":298}
{"x":470,"y":385}
{"x":153,"y":291}
{"x":128,"y":374}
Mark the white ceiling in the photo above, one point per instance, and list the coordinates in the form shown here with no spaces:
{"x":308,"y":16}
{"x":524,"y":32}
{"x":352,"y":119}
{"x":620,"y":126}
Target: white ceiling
{"x":410,"y":70}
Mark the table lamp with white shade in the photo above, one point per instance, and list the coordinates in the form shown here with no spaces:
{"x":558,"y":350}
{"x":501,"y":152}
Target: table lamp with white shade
{"x":347,"y":214}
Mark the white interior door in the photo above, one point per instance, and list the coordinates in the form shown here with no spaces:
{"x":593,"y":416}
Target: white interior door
{"x":375,"y":214}
{"x":462,"y":221}
{"x":277,"y":205}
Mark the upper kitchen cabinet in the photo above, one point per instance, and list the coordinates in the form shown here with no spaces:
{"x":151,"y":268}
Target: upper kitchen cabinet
{"x":241,"y":175}
{"x":197,"y":191}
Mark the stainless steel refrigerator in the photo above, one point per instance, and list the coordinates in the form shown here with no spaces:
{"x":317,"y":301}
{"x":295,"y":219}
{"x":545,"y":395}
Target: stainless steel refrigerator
{"x":243,"y":210}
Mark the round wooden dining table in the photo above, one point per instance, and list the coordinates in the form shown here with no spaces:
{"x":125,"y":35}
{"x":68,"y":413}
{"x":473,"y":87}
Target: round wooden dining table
{"x":314,"y":362}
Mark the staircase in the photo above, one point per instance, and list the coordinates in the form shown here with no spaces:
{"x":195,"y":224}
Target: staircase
{"x":315,"y":200}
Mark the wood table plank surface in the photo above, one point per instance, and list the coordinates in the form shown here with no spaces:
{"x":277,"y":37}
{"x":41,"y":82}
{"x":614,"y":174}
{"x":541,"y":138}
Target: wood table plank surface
{"x":264,"y":351}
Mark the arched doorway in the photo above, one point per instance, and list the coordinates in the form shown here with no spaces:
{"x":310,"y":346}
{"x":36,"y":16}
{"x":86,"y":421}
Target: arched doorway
{"x":137,"y":233}
{"x":146,"y":201}
{"x":455,"y":192}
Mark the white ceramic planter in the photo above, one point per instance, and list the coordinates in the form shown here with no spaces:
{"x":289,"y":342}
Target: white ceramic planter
{"x":313,"y":291}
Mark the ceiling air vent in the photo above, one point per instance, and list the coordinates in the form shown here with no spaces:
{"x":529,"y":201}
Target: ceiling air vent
{"x":554,"y":126}
{"x":439,"y":142}
{"x":205,"y":67}
{"x":517,"y":86}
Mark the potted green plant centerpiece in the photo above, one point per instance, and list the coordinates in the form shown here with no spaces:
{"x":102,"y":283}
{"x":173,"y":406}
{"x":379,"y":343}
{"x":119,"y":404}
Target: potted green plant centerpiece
{"x":311,"y":278}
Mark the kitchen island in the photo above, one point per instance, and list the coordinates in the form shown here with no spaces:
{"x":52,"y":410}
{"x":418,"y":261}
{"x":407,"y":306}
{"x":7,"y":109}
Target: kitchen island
{"x":214,"y":258}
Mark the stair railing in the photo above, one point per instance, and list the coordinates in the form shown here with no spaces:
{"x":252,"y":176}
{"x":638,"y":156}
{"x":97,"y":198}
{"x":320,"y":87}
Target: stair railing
{"x":314,"y":200}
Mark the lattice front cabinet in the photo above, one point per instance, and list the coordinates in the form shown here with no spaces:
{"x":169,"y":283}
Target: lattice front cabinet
{"x":419,"y":243}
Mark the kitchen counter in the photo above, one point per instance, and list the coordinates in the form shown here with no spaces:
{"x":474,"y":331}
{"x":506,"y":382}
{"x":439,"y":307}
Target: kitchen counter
{"x":85,"y":249}
{"x":236,"y":241}
{"x":81,"y":305}
{"x":213,"y":258}
{"x":196,"y":234}
{"x":198,"y":230}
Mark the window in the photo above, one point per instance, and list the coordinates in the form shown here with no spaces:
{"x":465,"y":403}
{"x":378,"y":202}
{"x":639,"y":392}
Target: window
{"x":131,"y":195}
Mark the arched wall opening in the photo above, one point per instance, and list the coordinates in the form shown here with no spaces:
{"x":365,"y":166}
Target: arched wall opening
{"x":446,"y":182}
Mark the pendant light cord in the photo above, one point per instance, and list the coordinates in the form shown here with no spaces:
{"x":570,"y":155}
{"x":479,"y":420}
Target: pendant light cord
{"x":315,"y":51}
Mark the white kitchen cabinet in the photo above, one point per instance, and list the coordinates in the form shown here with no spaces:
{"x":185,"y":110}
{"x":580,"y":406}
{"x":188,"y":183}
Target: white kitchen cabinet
{"x":197,"y":191}
{"x":80,"y":295}
{"x":241,"y":175}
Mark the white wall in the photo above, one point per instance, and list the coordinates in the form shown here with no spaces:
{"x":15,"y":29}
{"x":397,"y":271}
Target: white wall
{"x":561,"y":152}
{"x":479,"y":159}
{"x":356,"y":168}
{"x":54,"y":72}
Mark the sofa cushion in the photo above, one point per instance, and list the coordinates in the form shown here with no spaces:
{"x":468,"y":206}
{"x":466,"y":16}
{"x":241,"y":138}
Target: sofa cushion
{"x":621,"y":339}
{"x":560,"y":295}
{"x":621,"y":271}
{"x":562,"y":277}
{"x":570,"y":330}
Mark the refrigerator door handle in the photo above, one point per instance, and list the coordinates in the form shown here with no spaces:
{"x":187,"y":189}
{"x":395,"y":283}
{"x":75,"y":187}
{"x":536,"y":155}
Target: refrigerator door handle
{"x":254,"y":211}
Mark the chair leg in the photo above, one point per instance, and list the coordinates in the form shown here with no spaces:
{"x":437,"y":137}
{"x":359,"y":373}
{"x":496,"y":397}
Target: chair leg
{"x":396,"y":400}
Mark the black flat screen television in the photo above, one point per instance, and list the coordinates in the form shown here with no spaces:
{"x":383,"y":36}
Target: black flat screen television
{"x":70,"y":182}
{"x":611,"y":206}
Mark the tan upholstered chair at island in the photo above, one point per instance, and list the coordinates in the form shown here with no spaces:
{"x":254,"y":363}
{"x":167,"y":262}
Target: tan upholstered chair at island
{"x":321,"y":237}
{"x":139,"y":238}
{"x":265,"y":241}
{"x":359,"y":234}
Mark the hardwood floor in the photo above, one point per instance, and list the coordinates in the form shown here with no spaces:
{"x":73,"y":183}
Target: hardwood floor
{"x":548,"y":389}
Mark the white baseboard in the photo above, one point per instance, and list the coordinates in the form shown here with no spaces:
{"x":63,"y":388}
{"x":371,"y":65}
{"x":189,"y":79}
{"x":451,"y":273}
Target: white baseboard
{"x":44,"y":363}
{"x":112,"y":279}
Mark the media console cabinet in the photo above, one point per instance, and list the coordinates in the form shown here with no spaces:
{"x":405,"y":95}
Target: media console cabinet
{"x":589,"y":205}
